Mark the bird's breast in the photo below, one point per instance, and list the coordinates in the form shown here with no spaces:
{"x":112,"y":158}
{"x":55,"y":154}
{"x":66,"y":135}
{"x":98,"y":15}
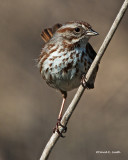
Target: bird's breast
{"x":63,"y":69}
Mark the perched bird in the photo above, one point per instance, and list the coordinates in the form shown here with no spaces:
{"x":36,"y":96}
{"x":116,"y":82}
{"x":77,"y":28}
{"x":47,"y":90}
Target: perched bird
{"x":66,"y":57}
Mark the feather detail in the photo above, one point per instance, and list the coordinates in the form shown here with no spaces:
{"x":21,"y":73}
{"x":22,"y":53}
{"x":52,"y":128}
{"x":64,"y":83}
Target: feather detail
{"x":56,"y":27}
{"x":90,"y":51}
{"x":47,"y":33}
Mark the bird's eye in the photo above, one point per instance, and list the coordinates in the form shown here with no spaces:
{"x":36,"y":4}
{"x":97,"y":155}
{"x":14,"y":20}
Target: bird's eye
{"x":77,"y":29}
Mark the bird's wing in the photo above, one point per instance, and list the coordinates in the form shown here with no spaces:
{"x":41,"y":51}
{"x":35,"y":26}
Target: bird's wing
{"x":90,"y":51}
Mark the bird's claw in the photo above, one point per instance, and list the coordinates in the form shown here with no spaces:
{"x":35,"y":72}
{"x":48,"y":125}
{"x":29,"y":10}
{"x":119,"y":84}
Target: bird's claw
{"x":84,"y":82}
{"x":56,"y":129}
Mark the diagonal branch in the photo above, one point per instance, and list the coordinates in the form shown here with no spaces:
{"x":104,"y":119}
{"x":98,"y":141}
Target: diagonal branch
{"x":54,"y":138}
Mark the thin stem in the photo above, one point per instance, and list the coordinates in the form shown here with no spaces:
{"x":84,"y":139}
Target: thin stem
{"x":54,"y":138}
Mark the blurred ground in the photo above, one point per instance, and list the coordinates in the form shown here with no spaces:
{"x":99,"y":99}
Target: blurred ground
{"x":29,"y":108}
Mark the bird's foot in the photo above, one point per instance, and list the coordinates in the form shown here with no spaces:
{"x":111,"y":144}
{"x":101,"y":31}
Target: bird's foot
{"x":84,"y":82}
{"x":56,"y":129}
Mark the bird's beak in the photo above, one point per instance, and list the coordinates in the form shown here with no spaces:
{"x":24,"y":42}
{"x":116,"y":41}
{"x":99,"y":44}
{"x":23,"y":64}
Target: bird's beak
{"x":91,"y":32}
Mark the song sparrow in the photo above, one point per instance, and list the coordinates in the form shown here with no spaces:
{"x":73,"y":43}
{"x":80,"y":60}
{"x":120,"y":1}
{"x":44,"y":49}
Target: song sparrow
{"x":66,"y":57}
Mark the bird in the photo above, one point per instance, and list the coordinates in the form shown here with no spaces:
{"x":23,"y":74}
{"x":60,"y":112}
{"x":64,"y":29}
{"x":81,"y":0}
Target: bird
{"x":66,"y":57}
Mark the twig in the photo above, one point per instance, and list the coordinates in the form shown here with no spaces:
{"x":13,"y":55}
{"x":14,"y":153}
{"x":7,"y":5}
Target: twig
{"x":80,"y":91}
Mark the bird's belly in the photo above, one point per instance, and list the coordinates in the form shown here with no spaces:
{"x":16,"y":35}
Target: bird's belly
{"x":67,"y":81}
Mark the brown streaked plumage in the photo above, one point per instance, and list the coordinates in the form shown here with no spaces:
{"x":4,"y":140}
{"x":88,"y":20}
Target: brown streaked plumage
{"x":66,"y":56}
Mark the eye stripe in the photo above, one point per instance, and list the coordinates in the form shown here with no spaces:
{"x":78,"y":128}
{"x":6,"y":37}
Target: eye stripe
{"x":65,"y":29}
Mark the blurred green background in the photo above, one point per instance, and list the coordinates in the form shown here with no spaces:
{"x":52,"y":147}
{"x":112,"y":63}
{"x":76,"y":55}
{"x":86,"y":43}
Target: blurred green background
{"x":29,"y":108}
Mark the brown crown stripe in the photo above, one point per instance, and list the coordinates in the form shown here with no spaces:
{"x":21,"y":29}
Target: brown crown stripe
{"x":80,"y":22}
{"x":85,"y":24}
{"x":65,"y":29}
